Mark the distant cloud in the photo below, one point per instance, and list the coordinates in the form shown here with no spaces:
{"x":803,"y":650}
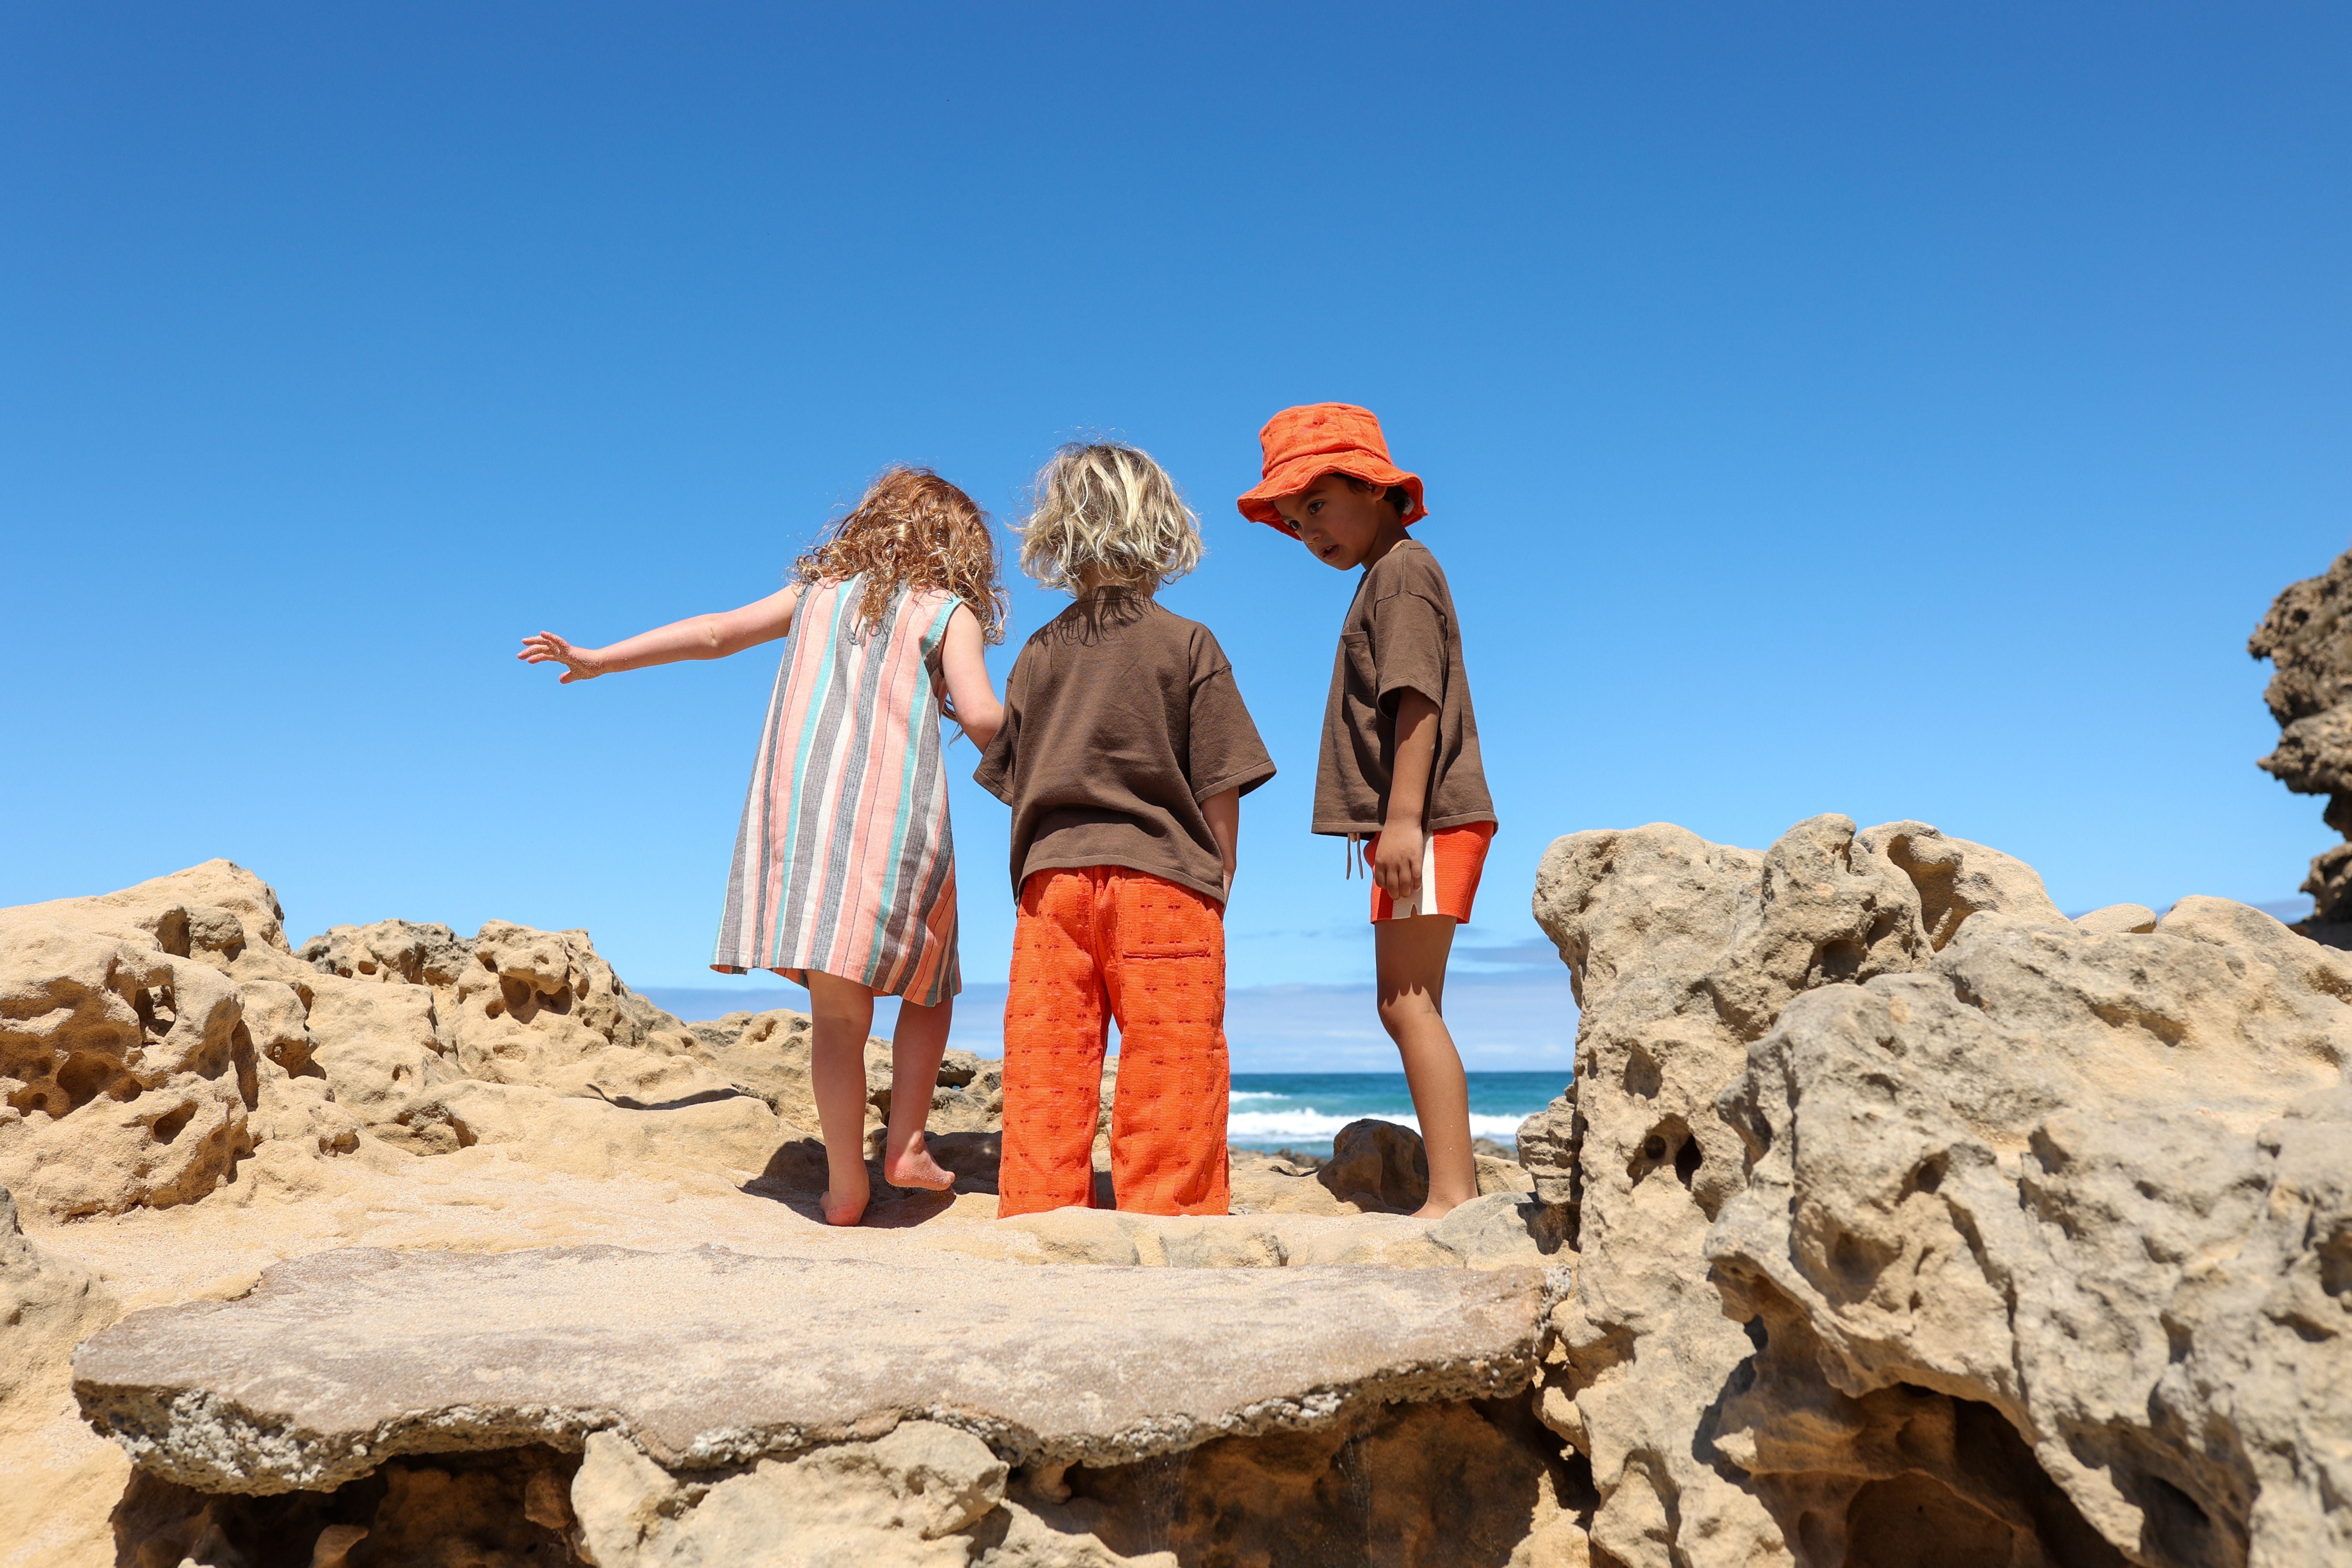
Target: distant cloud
{"x":1534,"y":952}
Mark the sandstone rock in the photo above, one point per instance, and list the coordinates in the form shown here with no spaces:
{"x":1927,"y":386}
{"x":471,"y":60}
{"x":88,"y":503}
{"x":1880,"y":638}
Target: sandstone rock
{"x":301,"y":1111}
{"x":1682,"y":952}
{"x":768,"y":1054}
{"x":45,"y":1306}
{"x":339,"y":1361}
{"x":217,"y":913}
{"x":1266,"y":1184}
{"x":1548,"y":1143}
{"x":535,"y":1005}
{"x":1377,"y":1165}
{"x":507,"y":1510}
{"x":588,"y":1137}
{"x":1457,"y":1483}
{"x":126,"y":1073}
{"x":278,"y":1018}
{"x":393,"y":951}
{"x":907,"y":1498}
{"x":2117,"y":919}
{"x":2089,"y":1182}
{"x":1381,"y":1167}
{"x":2307,"y":638}
{"x":379,"y":1046}
{"x":1917,"y":1222}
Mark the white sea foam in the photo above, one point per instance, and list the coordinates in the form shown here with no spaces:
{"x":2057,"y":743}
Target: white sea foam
{"x":1305,"y":1122}
{"x":1240,"y":1094}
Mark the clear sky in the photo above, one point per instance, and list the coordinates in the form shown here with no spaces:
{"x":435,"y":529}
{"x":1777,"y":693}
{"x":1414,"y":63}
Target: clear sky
{"x":1893,"y":410}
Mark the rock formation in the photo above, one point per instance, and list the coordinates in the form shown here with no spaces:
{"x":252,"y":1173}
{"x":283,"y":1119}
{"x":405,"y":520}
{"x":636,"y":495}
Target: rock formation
{"x":1891,"y":1218}
{"x":1914,"y":1222}
{"x":2307,"y":638}
{"x":186,"y":1098}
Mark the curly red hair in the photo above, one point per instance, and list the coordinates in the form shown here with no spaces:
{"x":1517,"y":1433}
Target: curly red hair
{"x":913,"y":530}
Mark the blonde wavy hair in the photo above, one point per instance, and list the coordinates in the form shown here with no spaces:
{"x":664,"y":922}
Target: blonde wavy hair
{"x":912,"y":529}
{"x":1106,"y":512}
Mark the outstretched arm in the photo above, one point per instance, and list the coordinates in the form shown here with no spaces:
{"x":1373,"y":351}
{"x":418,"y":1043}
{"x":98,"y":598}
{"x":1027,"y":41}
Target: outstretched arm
{"x":972,"y":700}
{"x":697,"y":637}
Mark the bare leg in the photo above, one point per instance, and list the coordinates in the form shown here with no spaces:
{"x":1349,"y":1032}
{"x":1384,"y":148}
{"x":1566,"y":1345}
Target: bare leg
{"x":842,"y":1013}
{"x":916,"y":1046}
{"x":1410,"y":955}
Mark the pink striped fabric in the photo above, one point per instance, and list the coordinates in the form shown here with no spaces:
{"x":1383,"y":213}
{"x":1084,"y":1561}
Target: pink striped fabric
{"x":845,"y":863}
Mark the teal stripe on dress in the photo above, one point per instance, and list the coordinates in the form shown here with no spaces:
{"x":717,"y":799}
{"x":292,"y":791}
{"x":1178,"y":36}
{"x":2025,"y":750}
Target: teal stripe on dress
{"x":799,"y":803}
{"x":907,"y":773}
{"x":865,"y":703}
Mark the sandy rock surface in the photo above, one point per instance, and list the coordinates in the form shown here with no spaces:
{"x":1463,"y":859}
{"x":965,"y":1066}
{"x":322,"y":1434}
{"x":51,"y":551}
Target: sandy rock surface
{"x":1916,"y":1222}
{"x":705,"y":1358}
{"x":186,"y":1101}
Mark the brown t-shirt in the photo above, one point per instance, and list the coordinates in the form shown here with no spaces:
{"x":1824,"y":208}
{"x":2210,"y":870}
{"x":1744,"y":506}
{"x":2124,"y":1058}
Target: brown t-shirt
{"x":1120,"y":720}
{"x":1401,"y":634}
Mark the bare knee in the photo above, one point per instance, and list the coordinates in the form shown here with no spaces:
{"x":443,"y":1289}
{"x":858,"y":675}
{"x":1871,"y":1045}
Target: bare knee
{"x":1406,"y":1012}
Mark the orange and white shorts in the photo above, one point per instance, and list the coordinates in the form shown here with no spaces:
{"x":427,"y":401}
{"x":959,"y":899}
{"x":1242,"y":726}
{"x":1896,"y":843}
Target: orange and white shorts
{"x":1451,"y":861}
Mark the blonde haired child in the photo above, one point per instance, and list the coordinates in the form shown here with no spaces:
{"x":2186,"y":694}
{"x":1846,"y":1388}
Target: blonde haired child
{"x":844,"y":878}
{"x":1124,"y":755}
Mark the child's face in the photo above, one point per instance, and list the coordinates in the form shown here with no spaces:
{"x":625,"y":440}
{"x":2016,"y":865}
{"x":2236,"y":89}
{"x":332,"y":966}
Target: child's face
{"x":1340,"y":525}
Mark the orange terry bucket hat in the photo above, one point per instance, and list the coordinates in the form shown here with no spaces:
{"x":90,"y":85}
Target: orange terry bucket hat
{"x":1306,"y":443}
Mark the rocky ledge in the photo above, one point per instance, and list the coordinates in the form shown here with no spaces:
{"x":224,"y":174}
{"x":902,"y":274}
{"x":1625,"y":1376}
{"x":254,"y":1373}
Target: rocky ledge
{"x":710,"y":1358}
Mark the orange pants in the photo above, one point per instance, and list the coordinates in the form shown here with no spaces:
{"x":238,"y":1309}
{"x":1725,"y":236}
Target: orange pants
{"x":1090,"y":945}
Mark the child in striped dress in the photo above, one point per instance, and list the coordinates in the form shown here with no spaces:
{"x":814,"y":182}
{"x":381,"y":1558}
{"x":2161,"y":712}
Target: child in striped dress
{"x":844,"y":878}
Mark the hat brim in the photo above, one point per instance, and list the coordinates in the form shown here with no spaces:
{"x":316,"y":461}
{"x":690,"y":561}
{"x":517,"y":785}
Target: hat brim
{"x":1290,"y":478}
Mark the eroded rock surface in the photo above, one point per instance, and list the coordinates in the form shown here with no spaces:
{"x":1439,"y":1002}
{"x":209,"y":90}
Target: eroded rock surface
{"x":136,"y":1069}
{"x":2307,"y":637}
{"x":710,"y":1358}
{"x":2093,"y":1182}
{"x":1916,"y":1222}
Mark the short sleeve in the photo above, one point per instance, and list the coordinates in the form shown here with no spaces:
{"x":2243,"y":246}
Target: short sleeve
{"x":1409,"y":649}
{"x":995,"y":771}
{"x":1225,"y":751}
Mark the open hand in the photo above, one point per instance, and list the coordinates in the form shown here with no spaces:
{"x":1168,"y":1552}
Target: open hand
{"x":1396,"y":864}
{"x":579,"y":664}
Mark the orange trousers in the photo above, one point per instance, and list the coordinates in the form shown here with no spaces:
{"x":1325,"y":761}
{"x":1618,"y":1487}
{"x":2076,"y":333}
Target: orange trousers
{"x":1090,"y":945}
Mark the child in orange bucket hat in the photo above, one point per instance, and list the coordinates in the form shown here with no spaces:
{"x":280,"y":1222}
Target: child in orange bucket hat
{"x":1400,"y":762}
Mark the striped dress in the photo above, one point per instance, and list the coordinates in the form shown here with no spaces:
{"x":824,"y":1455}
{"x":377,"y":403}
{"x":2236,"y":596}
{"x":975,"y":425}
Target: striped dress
{"x":845,"y":863}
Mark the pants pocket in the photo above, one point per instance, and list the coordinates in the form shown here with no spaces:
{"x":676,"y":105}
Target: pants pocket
{"x":1160,"y":920}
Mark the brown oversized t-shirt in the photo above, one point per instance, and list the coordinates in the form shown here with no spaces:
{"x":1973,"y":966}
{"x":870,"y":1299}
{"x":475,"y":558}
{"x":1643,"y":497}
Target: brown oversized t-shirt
{"x":1119,"y":719}
{"x":1401,"y":634}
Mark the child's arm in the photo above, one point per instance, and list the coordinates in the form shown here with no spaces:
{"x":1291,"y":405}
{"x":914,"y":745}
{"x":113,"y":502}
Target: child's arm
{"x":698,"y":637}
{"x":1397,"y":866}
{"x":972,"y":701}
{"x":1224,"y":811}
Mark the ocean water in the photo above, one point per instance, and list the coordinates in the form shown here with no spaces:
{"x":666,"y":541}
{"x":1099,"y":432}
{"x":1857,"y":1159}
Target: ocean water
{"x":1303,"y":1110}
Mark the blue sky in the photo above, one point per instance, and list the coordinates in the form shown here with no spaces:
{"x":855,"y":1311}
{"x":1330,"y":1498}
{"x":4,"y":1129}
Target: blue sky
{"x":1845,"y":408}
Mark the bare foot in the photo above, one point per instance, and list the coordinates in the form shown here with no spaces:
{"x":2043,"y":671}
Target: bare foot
{"x":845,"y":1211}
{"x":1437,"y":1207}
{"x":916,"y":1168}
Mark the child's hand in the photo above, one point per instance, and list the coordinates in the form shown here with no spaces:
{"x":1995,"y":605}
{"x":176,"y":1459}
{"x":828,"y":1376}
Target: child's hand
{"x":1396,"y":864}
{"x":580,"y":664}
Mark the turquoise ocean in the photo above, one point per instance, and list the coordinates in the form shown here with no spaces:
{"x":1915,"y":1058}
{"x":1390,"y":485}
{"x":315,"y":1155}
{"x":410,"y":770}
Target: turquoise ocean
{"x":1303,"y":1110}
